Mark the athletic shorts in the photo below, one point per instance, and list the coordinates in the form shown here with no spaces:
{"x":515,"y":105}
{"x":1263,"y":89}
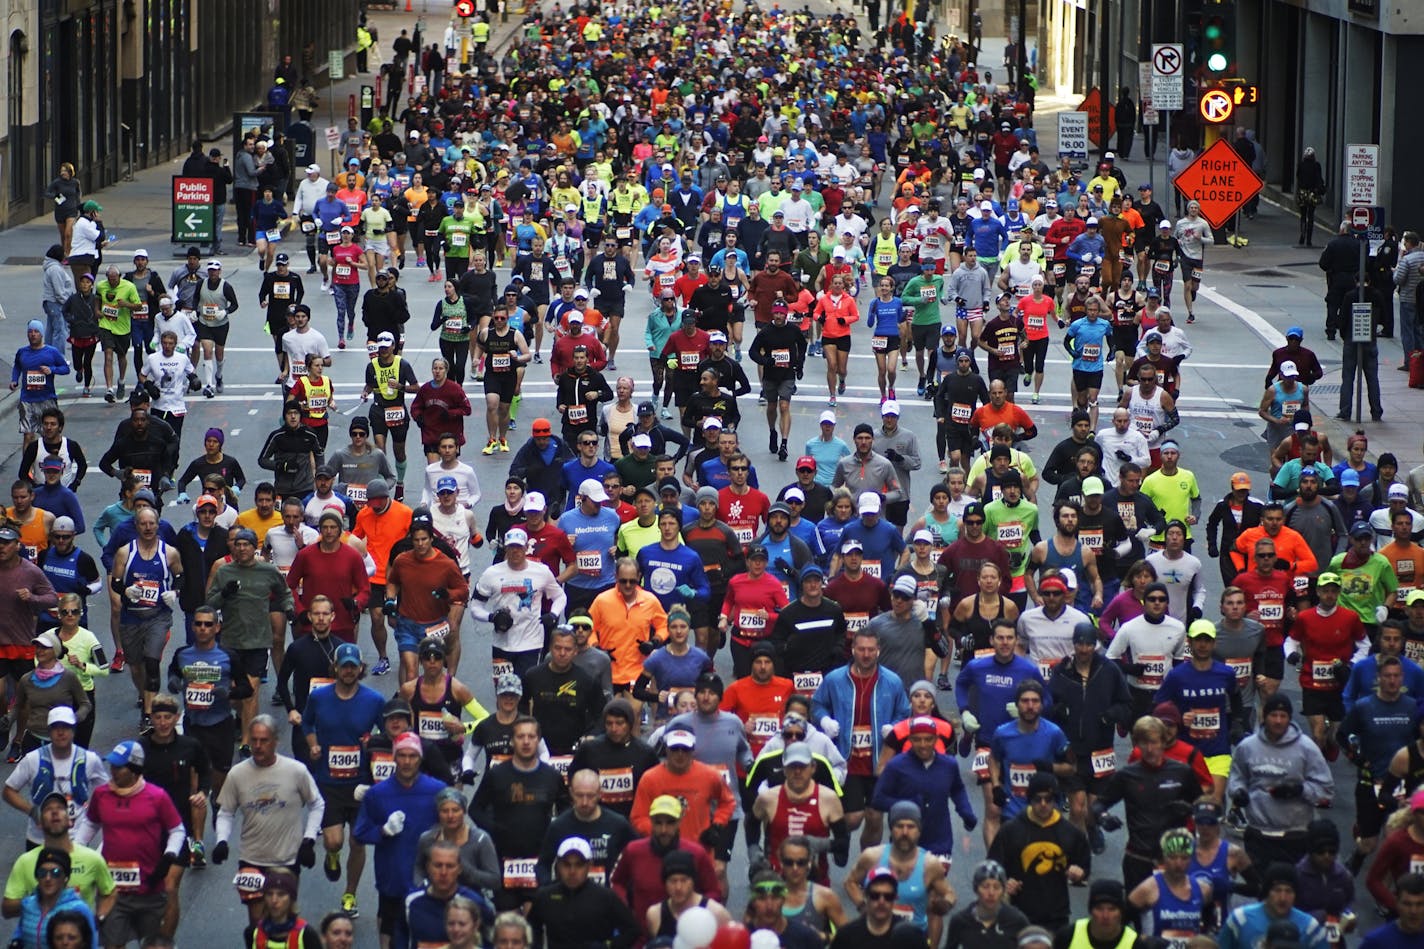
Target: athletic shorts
{"x":110,"y":340}
{"x":389,"y":909}
{"x":14,"y":668}
{"x":1085,"y":380}
{"x":1322,"y":702}
{"x":1191,"y":268}
{"x":146,"y":636}
{"x":502,"y":384}
{"x":341,"y":805}
{"x":217,"y":334}
{"x":839,"y":342}
{"x":1369,"y":815}
{"x":1273,"y":662}
{"x":409,"y":633}
{"x":134,"y":918}
{"x":926,"y":336}
{"x":251,"y":662}
{"x":217,"y":740}
{"x":377,"y":418}
{"x":1083,"y":778}
{"x":778,"y":391}
{"x":30,"y":413}
{"x":1125,"y":339}
{"x":1219,"y":765}
{"x":1009,"y":377}
{"x":859,"y":792}
{"x":378,"y":595}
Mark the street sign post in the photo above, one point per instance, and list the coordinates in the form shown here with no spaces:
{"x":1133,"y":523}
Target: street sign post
{"x":1219,"y":181}
{"x":336,"y":65}
{"x":1167,"y":80}
{"x":192,"y":210}
{"x":1361,"y":175}
{"x":1073,"y":135}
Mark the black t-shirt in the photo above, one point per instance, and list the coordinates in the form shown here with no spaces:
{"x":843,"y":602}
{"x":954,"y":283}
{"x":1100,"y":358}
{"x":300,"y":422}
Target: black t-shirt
{"x":856,"y":934}
{"x":567,"y":704}
{"x":171,"y":766}
{"x":516,"y":807}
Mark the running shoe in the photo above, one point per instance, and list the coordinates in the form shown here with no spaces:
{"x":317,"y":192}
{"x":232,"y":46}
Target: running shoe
{"x":840,"y":389}
{"x":382,"y":667}
{"x":331,"y":866}
{"x":490,"y":448}
{"x":117,"y":663}
{"x":504,"y":442}
{"x":538,"y":357}
{"x":197,"y":854}
{"x":14,"y":755}
{"x":348,"y":906}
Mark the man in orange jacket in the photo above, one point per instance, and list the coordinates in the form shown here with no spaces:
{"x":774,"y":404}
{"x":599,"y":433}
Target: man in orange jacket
{"x":706,"y":797}
{"x":1290,"y":546}
{"x":382,"y":523}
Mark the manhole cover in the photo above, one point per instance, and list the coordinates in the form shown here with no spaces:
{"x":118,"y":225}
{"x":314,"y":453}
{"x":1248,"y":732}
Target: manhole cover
{"x":1253,"y":456}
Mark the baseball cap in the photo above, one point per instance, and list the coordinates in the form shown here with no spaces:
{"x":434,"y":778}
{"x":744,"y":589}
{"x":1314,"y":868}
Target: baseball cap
{"x":385,"y":339}
{"x":646,"y":409}
{"x":852,"y":545}
{"x":575,"y":845}
{"x":904,"y":585}
{"x":61,"y":715}
{"x":447,"y":483}
{"x":49,"y":641}
{"x":922,"y":536}
{"x":806,"y":461}
{"x":1288,"y":370}
{"x":347,"y":654}
{"x":797,"y":753}
{"x":890,"y":407}
{"x":534,"y":501}
{"x":1349,"y":478}
{"x":717,"y":336}
{"x":1201,"y":627}
{"x":680,"y":738}
{"x":1361,"y":529}
{"x":665,"y":805}
{"x":1398,"y":492}
{"x":869,"y":503}
{"x":1329,"y":578}
{"x":125,"y":753}
{"x":1414,"y":598}
{"x":1092,"y":486}
{"x":1240,"y":480}
{"x":794,"y":494}
{"x":592,"y":489}
{"x":1295,"y":331}
{"x":1091,"y":222}
{"x":828,"y":417}
{"x":641,"y":440}
{"x":508,"y":684}
{"x":516,"y":537}
{"x":63,"y":524}
{"x":53,"y":462}
{"x":711,"y":422}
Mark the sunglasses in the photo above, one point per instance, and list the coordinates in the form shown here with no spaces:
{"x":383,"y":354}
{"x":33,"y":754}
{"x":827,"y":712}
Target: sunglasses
{"x":588,"y":441}
{"x":202,"y":623}
{"x":61,"y":536}
{"x":628,"y":582}
{"x":69,"y":612}
{"x":770,"y":889}
{"x":50,"y":873}
{"x":804,"y":862}
{"x":879,"y":896}
{"x":1155,"y":599}
{"x":739,"y":468}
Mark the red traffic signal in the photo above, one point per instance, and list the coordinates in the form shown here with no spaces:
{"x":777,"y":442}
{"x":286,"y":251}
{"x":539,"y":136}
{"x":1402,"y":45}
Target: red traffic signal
{"x":465,"y":7}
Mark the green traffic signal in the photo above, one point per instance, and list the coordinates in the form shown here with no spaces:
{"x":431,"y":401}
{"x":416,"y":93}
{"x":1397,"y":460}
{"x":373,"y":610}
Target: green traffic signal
{"x":1216,"y":62}
{"x":1213,"y":30}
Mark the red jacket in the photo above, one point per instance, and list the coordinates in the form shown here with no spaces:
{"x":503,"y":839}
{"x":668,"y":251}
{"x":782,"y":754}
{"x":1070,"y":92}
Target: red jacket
{"x":562,"y":357}
{"x":336,"y":576}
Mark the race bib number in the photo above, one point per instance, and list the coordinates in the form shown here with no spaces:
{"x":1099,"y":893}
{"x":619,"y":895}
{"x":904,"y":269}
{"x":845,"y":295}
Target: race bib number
{"x":1036,"y":322}
{"x":459,"y":239}
{"x":455,"y":326}
{"x":1416,"y":863}
{"x":744,"y":535}
{"x":199,"y":695}
{"x":273,"y":236}
{"x":357,"y":493}
{"x":1146,"y":423}
{"x":317,"y":404}
{"x":211,"y":312}
{"x":806,"y":682}
{"x":589,"y":562}
{"x":1271,"y":612}
{"x":577,"y":414}
{"x":343,"y":270}
{"x":750,"y":622}
{"x":148,"y":591}
{"x":1242,"y":668}
{"x":1322,"y":674}
{"x":501,"y":362}
{"x":438,"y":630}
{"x":860,"y":740}
{"x":127,"y":876}
{"x":1059,"y":269}
{"x":980,"y":764}
{"x":1104,"y":762}
{"x":1045,"y":668}
{"x":1092,"y":539}
{"x":35,"y":380}
{"x":343,"y":761}
{"x":1300,"y":584}
{"x":143,"y":476}
{"x":1162,"y":266}
{"x":623,"y":233}
{"x":394,"y":416}
{"x":333,"y":238}
{"x":249,"y":881}
{"x":308,"y":227}
{"x":871,"y":567}
{"x":960,"y":413}
{"x":432,"y":726}
{"x":299,"y":370}
{"x":1010,"y":534}
{"x":1154,"y":670}
{"x":1206,"y":723}
{"x":1091,"y":352}
{"x":855,"y":622}
{"x":1196,"y":273}
{"x":928,"y":294}
{"x":1008,"y":351}
{"x":109,"y":312}
{"x":1332,"y":930}
{"x":879,"y":343}
{"x":764,"y":727}
{"x":502,"y":667}
{"x":781,"y":358}
{"x":383,"y":765}
{"x":687,"y":359}
{"x":1019,"y":775}
{"x":561,"y":764}
{"x":519,"y":873}
{"x":616,"y":784}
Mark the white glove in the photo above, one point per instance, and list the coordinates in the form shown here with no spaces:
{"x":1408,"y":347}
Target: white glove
{"x":359,"y":792}
{"x":831,"y":727}
{"x":1144,"y":534}
{"x":970,"y":723}
{"x":885,"y":730}
{"x":170,"y":599}
{"x":1123,"y":547}
{"x":394,"y":824}
{"x":134,"y":593}
{"x":1012,"y":708}
{"x":1381,"y":613}
{"x":627,"y":288}
{"x":593,"y":294}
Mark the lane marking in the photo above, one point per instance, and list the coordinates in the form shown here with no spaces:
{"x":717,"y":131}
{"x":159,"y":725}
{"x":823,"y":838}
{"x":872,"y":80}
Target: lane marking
{"x":1257,"y":324}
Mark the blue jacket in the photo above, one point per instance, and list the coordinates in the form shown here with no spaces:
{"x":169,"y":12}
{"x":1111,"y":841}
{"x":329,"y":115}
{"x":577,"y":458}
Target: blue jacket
{"x":932,"y":787}
{"x":424,"y":919}
{"x":986,"y":688}
{"x":396,"y":855}
{"x":30,"y":931}
{"x":989,"y":237}
{"x":836,"y":697}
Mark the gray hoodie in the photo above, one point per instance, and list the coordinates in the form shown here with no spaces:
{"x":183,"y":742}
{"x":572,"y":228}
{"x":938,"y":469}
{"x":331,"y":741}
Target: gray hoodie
{"x":1259,"y":764}
{"x":58,"y":282}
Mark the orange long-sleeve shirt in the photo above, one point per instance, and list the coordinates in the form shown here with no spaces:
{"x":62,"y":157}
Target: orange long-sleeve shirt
{"x":382,"y":532}
{"x":1290,"y":547}
{"x":759,"y":705}
{"x":706,"y":798}
{"x":619,"y":627}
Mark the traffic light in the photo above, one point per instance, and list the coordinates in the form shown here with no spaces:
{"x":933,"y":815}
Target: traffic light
{"x":1219,"y":39}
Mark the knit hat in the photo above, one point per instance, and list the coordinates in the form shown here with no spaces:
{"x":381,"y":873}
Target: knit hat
{"x":905,"y":810}
{"x":1279,"y":873}
{"x":1277,"y":703}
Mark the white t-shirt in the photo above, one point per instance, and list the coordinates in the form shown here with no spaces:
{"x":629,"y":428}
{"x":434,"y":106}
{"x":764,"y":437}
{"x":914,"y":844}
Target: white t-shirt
{"x":95,"y":774}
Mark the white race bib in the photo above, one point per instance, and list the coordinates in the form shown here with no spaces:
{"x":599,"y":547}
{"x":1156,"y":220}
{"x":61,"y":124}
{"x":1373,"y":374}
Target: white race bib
{"x":343,"y":761}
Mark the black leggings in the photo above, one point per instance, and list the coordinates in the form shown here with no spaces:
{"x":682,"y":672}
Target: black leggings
{"x":432,"y":253}
{"x":84,"y":364}
{"x":1035,"y":354}
{"x":455,"y":353}
{"x":246,"y":198}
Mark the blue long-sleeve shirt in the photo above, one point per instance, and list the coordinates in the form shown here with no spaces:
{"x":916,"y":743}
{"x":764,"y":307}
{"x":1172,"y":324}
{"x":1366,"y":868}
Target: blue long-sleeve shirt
{"x":396,"y":855}
{"x":61,"y":502}
{"x":35,"y":385}
{"x":986,"y":687}
{"x":931,"y":785}
{"x":1086,"y":243}
{"x":424,"y":921}
{"x":1381,"y":728}
{"x":989,"y":237}
{"x":1363,"y":674}
{"x":664,"y":571}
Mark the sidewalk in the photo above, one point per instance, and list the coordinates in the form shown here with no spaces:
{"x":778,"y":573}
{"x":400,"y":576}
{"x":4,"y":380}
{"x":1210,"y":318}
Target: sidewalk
{"x":137,"y":212}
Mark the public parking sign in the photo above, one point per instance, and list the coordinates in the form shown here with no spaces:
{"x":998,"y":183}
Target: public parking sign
{"x":192,"y":210}
{"x":1219,"y":181}
{"x":1073,"y":135}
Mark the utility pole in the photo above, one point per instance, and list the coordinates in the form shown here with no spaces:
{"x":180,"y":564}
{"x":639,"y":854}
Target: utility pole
{"x":1105,"y":96}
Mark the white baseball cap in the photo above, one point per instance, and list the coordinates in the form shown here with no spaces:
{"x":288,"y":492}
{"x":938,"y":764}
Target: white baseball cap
{"x":870,"y":503}
{"x":828,"y":416}
{"x":890,"y":407}
{"x":592,"y":489}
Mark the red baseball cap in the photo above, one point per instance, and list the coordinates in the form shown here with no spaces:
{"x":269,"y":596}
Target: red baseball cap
{"x":806,"y":461}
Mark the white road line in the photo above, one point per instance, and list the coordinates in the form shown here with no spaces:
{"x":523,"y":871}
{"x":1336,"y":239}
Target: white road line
{"x":1269,"y":335}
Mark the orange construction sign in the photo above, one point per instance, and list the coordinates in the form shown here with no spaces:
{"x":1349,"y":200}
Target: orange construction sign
{"x":1219,"y":181}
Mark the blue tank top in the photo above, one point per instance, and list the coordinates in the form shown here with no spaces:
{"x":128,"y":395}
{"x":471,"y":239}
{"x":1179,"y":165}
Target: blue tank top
{"x":1083,"y":599}
{"x":1216,"y":873}
{"x":1174,"y":919}
{"x":911,"y":898}
{"x":152,"y":576}
{"x":1284,"y":403}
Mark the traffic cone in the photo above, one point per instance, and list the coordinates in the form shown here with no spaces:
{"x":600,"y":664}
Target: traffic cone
{"x":408,"y":8}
